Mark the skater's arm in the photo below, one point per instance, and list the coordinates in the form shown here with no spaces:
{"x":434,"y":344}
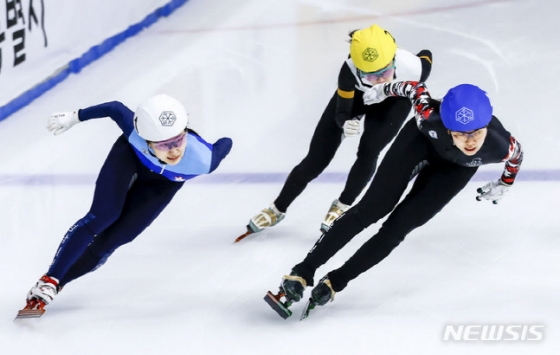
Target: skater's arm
{"x":426,"y":62}
{"x":512,"y":162}
{"x":60,"y":122}
{"x":416,"y":92}
{"x":115,"y":110}
{"x":495,"y":190}
{"x":220,"y":150}
{"x":344,"y":95}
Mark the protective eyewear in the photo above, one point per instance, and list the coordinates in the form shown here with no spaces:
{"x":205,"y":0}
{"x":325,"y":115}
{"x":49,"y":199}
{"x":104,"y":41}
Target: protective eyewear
{"x":385,"y":73}
{"x":170,"y":143}
{"x":466,"y":135}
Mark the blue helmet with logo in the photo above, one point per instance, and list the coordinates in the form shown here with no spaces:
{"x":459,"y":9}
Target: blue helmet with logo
{"x":465,"y":108}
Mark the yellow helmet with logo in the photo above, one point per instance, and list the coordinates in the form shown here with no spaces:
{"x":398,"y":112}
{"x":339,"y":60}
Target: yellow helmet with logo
{"x":372,"y":48}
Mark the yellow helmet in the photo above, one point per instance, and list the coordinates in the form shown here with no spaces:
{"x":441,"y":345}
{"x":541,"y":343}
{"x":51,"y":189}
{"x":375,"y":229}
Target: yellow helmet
{"x":372,"y":48}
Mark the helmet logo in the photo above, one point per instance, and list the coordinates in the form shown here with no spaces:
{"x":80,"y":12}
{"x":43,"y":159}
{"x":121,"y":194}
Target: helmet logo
{"x":464,"y":115}
{"x":167,"y":118}
{"x":370,"y":54}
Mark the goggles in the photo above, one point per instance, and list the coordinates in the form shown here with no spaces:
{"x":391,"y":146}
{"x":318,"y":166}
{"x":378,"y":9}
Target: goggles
{"x":467,"y":135}
{"x":385,"y":73}
{"x":170,"y":143}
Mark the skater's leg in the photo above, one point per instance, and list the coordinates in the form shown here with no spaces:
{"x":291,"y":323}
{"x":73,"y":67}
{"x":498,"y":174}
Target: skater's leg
{"x":115,"y":177}
{"x":382,"y":196}
{"x":382,"y":122}
{"x":145,"y":201}
{"x":324,"y":144}
{"x":432,"y":190}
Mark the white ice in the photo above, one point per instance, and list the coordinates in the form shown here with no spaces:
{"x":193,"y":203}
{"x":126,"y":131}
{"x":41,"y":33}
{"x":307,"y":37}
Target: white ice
{"x":261,"y":73}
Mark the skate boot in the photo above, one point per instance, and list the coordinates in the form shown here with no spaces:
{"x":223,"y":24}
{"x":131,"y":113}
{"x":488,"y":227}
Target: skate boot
{"x":291,"y":290}
{"x":336,"y":210}
{"x":320,"y":295}
{"x":44,"y":290}
{"x":293,"y":286}
{"x":39,"y":296}
{"x":268,"y":217}
{"x":323,"y":292}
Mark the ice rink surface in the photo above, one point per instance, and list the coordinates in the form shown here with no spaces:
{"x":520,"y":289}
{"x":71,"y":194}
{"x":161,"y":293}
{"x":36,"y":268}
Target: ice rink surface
{"x":261,"y":73}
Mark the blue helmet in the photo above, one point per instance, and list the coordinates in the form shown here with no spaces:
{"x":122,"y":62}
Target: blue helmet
{"x":465,"y":108}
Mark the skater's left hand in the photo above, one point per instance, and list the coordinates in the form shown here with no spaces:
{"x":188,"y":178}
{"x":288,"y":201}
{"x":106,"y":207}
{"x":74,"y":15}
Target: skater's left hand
{"x":492,"y":191}
{"x":374,"y":95}
{"x":351,"y":127}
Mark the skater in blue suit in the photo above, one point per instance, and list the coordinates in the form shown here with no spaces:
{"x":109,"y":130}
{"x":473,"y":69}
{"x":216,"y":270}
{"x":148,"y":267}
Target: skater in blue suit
{"x":145,"y":168}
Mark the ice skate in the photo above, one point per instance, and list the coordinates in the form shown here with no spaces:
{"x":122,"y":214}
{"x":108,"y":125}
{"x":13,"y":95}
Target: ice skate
{"x":320,"y":295}
{"x":290,"y":291}
{"x":323,"y":292}
{"x":336,"y":210}
{"x":39,"y":296}
{"x":268,"y":217}
{"x":293,"y":286}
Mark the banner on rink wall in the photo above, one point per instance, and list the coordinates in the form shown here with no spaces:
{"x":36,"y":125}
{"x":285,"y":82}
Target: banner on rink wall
{"x":42,"y":42}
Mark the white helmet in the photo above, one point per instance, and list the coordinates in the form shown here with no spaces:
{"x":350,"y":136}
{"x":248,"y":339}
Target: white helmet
{"x":160,"y":117}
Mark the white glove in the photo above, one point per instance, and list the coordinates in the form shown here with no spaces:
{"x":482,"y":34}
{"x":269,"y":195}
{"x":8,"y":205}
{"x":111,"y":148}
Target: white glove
{"x":351,"y":128}
{"x":374,"y":94}
{"x":492,"y":191}
{"x":60,"y":122}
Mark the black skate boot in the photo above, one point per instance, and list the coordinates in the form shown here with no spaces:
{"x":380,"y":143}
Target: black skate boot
{"x":290,"y":291}
{"x":323,"y":292}
{"x":293,"y":286}
{"x":320,"y":295}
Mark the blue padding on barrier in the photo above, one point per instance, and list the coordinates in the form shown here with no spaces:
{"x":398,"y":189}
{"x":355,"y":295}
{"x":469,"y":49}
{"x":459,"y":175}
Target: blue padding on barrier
{"x":94,"y":53}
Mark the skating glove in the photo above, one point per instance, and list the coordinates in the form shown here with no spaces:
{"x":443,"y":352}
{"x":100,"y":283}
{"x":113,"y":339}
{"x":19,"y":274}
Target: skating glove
{"x":374,"y":95}
{"x":492,"y":191}
{"x":60,"y":122}
{"x":351,"y":127}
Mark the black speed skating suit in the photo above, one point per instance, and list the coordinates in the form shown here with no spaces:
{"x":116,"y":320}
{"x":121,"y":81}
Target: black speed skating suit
{"x":422,"y":140}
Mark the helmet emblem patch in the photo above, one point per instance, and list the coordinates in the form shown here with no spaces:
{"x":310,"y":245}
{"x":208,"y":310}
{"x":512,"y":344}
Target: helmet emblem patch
{"x":464,"y":115}
{"x":167,"y":118}
{"x":370,"y":54}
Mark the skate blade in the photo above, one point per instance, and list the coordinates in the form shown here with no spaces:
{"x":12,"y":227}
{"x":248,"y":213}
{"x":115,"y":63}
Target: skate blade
{"x":33,"y":309}
{"x":246,"y":234}
{"x":277,"y":305}
{"x":30,"y":313}
{"x":242,"y":236}
{"x":308,"y":307}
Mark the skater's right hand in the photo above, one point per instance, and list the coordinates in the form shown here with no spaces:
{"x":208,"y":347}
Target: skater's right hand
{"x":60,"y":122}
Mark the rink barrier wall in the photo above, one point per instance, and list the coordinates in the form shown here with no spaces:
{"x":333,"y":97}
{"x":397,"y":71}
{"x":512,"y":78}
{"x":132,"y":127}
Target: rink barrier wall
{"x":93,"y":54}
